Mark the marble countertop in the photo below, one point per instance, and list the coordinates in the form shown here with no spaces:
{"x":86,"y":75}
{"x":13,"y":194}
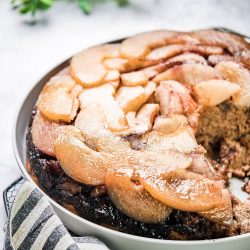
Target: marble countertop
{"x":29,"y":51}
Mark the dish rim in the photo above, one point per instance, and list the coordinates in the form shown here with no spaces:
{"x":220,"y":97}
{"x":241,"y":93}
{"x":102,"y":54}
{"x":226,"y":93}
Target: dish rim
{"x":21,"y":165}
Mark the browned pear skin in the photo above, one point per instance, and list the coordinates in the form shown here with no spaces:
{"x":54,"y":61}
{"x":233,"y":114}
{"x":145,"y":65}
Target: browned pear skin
{"x":44,"y":133}
{"x":214,"y":92}
{"x":133,"y":200}
{"x":222,"y":213}
{"x":183,"y":190}
{"x":235,"y":73}
{"x":56,"y":102}
{"x":87,"y":67}
{"x":188,"y":74}
{"x":79,"y":161}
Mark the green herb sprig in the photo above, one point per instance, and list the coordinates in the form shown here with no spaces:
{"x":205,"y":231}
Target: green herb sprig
{"x":33,"y":6}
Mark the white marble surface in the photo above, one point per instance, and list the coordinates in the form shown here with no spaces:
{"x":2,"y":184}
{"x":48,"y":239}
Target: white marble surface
{"x":27,"y":52}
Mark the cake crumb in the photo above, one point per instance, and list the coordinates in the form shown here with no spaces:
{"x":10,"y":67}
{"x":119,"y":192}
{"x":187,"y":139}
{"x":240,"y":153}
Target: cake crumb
{"x":242,"y":215}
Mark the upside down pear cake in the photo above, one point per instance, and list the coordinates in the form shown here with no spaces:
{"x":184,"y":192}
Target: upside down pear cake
{"x":143,"y":136}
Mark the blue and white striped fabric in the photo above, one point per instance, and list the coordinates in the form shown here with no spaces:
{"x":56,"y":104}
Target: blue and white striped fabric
{"x":34,"y":225}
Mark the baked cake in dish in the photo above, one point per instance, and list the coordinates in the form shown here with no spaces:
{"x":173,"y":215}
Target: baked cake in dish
{"x":143,"y":136}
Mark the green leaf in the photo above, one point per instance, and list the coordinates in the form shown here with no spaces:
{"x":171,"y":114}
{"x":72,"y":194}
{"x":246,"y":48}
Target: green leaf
{"x":24,"y":9}
{"x":44,"y":4}
{"x":122,"y":2}
{"x":85,"y":6}
{"x":33,"y":7}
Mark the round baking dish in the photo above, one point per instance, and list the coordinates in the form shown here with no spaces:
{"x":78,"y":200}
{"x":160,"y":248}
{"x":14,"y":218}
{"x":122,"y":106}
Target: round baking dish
{"x":80,"y":226}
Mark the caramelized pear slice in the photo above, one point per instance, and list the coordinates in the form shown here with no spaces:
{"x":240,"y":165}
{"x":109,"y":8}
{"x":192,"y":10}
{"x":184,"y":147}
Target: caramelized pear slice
{"x":175,"y":49}
{"x":222,"y":213}
{"x":174,"y":98}
{"x":147,"y":114}
{"x":133,"y":200}
{"x":79,"y":161}
{"x":120,"y":64}
{"x":56,"y":102}
{"x":154,"y":70}
{"x":86,"y":158}
{"x":234,"y":72}
{"x":165,"y":52}
{"x":138,"y":46}
{"x":157,"y":141}
{"x":103,"y":97}
{"x":87,"y":67}
{"x":202,"y":166}
{"x":237,"y":45}
{"x":215,"y":59}
{"x":189,"y":74}
{"x":183,"y":190}
{"x":214,"y":92}
{"x":132,"y":98}
{"x":102,"y":140}
{"x":112,"y":76}
{"x":141,"y":122}
{"x":135,"y":78}
{"x":204,"y":50}
{"x":188,"y":58}
{"x":44,"y":133}
{"x":170,"y":124}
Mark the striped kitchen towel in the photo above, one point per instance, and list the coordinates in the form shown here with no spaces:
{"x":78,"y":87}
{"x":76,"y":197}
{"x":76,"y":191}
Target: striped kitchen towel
{"x":33,"y":224}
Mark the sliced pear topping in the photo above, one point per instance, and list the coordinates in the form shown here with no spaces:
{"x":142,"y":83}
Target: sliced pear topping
{"x":202,"y":166}
{"x":214,"y":92}
{"x":79,"y":161}
{"x":120,"y":64}
{"x":165,"y":52}
{"x":132,"y":98}
{"x":138,"y":46}
{"x":170,"y":124}
{"x":86,"y":158}
{"x":87,"y":67}
{"x":133,"y":200}
{"x":183,"y":190}
{"x":205,"y":50}
{"x":154,"y":70}
{"x":92,"y":114}
{"x":141,"y":122}
{"x":147,"y":114}
{"x":189,"y":74}
{"x":234,"y":72}
{"x":175,"y":49}
{"x":112,"y":76}
{"x":44,"y":133}
{"x":135,"y":78}
{"x":75,"y":92}
{"x":103,"y":96}
{"x":56,"y":102}
{"x":215,"y":59}
{"x":97,"y":137}
{"x":174,"y":98}
{"x":157,"y":141}
{"x":188,"y":58}
{"x":221,"y":213}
